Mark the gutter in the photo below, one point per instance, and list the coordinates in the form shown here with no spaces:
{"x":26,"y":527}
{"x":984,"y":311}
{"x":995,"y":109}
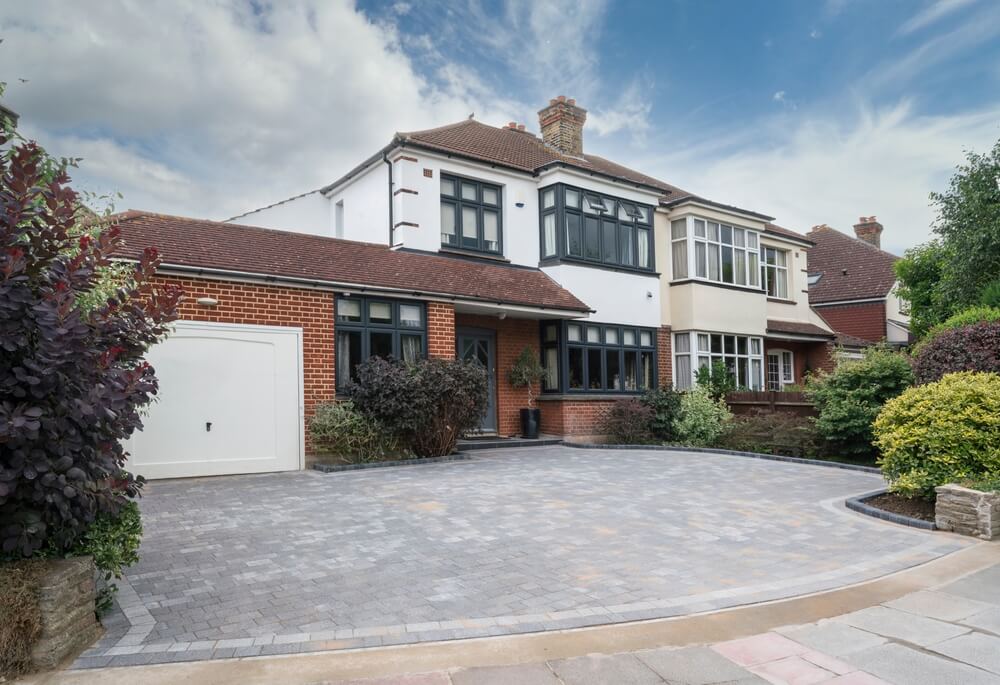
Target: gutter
{"x":318,"y":284}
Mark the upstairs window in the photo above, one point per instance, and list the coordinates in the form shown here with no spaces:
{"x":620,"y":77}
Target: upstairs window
{"x":471,"y":215}
{"x":720,"y":252}
{"x":581,"y":225}
{"x":774,"y":271}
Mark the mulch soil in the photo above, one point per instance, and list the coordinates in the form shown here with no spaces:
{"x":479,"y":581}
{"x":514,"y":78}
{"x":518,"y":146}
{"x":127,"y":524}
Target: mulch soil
{"x":914,"y":507}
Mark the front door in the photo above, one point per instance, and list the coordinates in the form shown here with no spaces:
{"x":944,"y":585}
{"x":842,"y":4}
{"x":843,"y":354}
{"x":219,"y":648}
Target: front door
{"x":480,"y":346}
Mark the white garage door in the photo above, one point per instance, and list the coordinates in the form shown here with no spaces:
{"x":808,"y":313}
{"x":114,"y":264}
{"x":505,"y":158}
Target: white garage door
{"x":229,"y":402}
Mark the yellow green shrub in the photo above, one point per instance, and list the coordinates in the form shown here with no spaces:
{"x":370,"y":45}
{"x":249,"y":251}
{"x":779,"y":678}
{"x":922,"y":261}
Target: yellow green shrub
{"x":941,"y":432}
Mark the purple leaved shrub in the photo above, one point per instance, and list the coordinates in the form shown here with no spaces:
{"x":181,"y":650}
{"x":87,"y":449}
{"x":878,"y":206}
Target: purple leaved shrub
{"x":72,"y":377}
{"x":970,"y":348}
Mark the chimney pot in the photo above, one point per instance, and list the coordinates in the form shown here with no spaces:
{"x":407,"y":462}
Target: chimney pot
{"x":869,"y":230}
{"x":562,"y":125}
{"x":520,"y":127}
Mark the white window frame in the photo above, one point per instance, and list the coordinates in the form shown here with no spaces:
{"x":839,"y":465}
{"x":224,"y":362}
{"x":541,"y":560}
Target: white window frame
{"x":779,"y":271}
{"x":698,"y":352}
{"x":786,"y":368}
{"x":750,"y":249}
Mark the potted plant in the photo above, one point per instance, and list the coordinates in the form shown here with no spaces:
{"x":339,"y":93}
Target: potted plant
{"x":525,"y":372}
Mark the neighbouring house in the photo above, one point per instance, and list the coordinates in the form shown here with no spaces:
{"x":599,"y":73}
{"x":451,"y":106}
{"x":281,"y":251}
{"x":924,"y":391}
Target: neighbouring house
{"x":469,"y":241}
{"x":852,"y":284}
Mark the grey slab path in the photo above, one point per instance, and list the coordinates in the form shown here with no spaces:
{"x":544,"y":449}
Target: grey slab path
{"x":511,"y":541}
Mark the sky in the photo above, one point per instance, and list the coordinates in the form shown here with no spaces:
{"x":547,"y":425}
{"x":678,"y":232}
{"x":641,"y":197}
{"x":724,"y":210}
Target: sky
{"x":811,"y":111}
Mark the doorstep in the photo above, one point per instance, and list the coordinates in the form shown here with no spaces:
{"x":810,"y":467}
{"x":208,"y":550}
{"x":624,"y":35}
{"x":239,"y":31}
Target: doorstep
{"x":494,"y":442}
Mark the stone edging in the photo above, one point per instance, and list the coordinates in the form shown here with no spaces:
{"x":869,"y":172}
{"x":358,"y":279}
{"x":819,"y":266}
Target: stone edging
{"x":858,"y":504}
{"x":336,"y":468}
{"x":730,"y":453}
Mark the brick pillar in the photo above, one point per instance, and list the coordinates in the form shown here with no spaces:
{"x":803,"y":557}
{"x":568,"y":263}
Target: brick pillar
{"x":664,"y":357}
{"x":440,"y":330}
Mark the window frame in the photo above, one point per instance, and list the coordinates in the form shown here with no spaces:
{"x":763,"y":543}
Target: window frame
{"x":696,"y":354}
{"x":716,"y":247}
{"x":606,"y":350}
{"x":781,"y":354}
{"x":366,"y":327}
{"x":765,"y":266}
{"x":627,"y":232}
{"x":479,"y":205}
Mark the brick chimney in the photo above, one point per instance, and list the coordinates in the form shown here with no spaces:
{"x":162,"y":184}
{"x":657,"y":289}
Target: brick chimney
{"x":562,"y":125}
{"x":869,"y":230}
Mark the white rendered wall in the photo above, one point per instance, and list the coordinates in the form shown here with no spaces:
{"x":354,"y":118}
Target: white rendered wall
{"x":366,"y":205}
{"x":306,"y":214}
{"x":893,"y":310}
{"x":617,"y":296}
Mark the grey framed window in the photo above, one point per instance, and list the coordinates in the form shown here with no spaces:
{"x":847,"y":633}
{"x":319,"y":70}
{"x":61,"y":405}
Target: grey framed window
{"x":584,"y":357}
{"x":471,"y":214}
{"x":374,"y":327}
{"x":585,"y":226}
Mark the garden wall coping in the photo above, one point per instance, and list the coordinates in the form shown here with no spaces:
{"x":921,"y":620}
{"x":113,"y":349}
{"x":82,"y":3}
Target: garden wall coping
{"x":968,"y":512}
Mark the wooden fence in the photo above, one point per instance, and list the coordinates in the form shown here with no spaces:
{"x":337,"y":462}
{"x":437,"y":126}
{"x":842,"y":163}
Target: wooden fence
{"x":793,"y":402}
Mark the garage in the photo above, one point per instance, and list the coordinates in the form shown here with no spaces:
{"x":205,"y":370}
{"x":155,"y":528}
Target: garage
{"x":230,"y":401}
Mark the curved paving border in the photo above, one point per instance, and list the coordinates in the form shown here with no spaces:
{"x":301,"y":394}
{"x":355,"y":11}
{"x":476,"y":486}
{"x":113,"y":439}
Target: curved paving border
{"x":859,"y":504}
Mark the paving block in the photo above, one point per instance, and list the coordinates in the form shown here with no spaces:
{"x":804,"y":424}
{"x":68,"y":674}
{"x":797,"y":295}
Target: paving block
{"x":793,"y":670}
{"x":905,"y":666}
{"x":940,"y":605}
{"x":692,"y":665}
{"x":980,"y":586}
{"x":988,"y":620}
{"x":528,"y":674}
{"x":749,"y":651}
{"x":599,"y":669}
{"x":833,"y":638}
{"x":976,"y":649}
{"x":902,"y":626}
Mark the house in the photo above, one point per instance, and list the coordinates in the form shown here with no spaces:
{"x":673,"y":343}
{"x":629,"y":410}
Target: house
{"x":852,"y":284}
{"x":473,"y":241}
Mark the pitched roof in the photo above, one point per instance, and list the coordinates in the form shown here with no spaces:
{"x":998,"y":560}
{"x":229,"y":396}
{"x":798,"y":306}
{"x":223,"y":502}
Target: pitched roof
{"x":788,"y":233}
{"x":846,"y":340}
{"x":797,"y":328}
{"x":194,"y":243}
{"x":869,"y":270}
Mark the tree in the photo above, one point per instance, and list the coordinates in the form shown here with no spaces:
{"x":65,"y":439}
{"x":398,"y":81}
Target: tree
{"x":919,"y":274}
{"x":951,"y":272}
{"x":73,"y":380}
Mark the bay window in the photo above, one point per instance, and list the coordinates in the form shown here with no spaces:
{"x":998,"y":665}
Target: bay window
{"x":742,"y":355}
{"x":604,"y":358}
{"x":373,"y":327}
{"x":583,"y":225}
{"x":470,"y":214}
{"x":713,"y":251}
{"x":774,"y":271}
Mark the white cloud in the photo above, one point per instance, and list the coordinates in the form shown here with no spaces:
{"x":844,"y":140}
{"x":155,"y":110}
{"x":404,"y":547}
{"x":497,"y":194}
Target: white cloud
{"x":815,"y":33}
{"x":931,"y":14}
{"x":811,"y":170}
{"x":779,"y":96}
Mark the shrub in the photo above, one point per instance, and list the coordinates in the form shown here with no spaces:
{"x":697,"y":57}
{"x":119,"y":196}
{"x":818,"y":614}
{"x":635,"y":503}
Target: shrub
{"x":340,"y":429}
{"x":73,"y":381}
{"x":665,"y":407}
{"x":990,"y":297}
{"x":964,"y":318}
{"x":427,"y":404}
{"x":718,"y":380}
{"x":849,"y":399}
{"x":972,"y":348}
{"x":628,"y":423}
{"x":772,"y":432}
{"x":702,"y":418}
{"x":942,"y":432}
{"x":113,"y":540}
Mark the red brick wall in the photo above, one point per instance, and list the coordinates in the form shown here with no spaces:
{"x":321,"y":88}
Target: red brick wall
{"x":440,"y":330}
{"x":664,"y":357}
{"x":581,"y":419}
{"x":865,"y":321}
{"x":246,"y":303}
{"x":805,"y":356}
{"x":512,"y":336}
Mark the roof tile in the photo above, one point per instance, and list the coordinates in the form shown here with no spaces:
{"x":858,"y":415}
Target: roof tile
{"x":190,"y":242}
{"x":849,"y":268}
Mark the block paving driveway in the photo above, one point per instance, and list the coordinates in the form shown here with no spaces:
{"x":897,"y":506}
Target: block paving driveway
{"x":510,"y":541}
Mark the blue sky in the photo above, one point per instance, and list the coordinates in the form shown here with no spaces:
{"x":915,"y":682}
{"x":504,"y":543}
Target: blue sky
{"x":811,"y":111}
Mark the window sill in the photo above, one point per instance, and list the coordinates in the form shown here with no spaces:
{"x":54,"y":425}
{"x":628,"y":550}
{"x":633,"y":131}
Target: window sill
{"x":572,"y":261}
{"x":587,"y":396}
{"x":458,"y":252}
{"x":780,"y":300}
{"x":717,"y":284}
